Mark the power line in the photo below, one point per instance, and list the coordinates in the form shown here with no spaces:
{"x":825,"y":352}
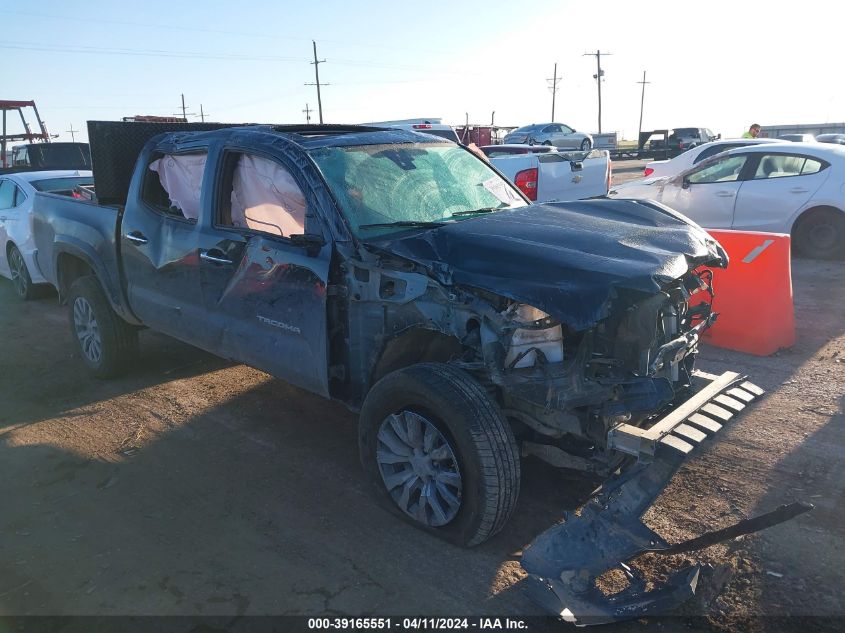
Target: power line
{"x":553,"y":88}
{"x":598,"y":77}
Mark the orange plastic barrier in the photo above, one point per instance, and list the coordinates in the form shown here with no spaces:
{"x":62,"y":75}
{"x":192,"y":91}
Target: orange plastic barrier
{"x":754,"y":294}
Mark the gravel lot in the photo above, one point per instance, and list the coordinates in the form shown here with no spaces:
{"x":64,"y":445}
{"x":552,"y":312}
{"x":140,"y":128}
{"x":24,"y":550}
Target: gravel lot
{"x":195,"y":486}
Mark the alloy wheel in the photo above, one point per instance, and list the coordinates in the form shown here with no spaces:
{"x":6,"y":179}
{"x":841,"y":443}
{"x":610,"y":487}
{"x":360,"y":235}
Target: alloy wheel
{"x":87,"y":330}
{"x":419,"y":468}
{"x":19,"y":273}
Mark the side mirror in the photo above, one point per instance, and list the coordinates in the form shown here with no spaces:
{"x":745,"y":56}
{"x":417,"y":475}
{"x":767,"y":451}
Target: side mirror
{"x":718,"y":137}
{"x":574,"y":130}
{"x":685,"y":184}
{"x":310,"y":241}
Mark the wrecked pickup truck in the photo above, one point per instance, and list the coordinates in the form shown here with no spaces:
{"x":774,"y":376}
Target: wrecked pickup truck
{"x":408,"y":279}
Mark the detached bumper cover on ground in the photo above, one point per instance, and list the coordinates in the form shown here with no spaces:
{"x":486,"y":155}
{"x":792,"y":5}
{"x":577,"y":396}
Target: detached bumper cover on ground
{"x":565,"y":561}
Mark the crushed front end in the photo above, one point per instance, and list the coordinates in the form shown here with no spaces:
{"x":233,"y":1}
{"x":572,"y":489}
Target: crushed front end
{"x":623,"y":401}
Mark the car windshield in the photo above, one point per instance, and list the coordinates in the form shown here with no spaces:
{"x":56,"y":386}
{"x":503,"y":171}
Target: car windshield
{"x":686,"y":131}
{"x":413,"y":183}
{"x":54,"y":185}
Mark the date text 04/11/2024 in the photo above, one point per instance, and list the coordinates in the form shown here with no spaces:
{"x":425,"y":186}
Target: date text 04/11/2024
{"x":413,"y":624}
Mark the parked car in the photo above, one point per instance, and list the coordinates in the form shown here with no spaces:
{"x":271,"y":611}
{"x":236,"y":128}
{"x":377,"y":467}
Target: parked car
{"x":838,"y":139}
{"x":696,"y":155}
{"x":681,"y":139}
{"x":545,"y":174}
{"x":556,"y":134}
{"x":793,"y":188}
{"x":17,"y":246}
{"x":797,"y":138}
{"x":401,"y":275}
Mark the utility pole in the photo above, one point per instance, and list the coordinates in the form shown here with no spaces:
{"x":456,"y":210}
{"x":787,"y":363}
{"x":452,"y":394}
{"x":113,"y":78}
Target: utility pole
{"x":202,"y":114}
{"x":642,"y":101}
{"x":307,"y":112}
{"x":72,"y":133}
{"x":185,"y":112}
{"x":598,"y":77}
{"x":553,"y":88}
{"x":317,"y":63}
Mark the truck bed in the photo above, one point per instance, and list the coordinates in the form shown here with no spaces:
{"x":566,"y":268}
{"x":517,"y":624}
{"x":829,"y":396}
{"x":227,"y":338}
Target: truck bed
{"x":66,"y":225}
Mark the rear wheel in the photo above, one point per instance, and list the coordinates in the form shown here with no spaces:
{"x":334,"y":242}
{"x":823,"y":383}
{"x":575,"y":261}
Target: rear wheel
{"x":106,"y":343}
{"x":439,"y":452}
{"x":547,"y":143}
{"x":21,"y":280}
{"x":820,"y":234}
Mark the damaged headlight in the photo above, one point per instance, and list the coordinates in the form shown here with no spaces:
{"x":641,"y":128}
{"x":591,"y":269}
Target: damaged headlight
{"x":535,"y":335}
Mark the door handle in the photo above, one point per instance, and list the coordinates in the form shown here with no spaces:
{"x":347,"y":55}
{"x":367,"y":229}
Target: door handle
{"x":214,"y":259}
{"x":725,"y":194}
{"x":798,"y":190}
{"x":136,"y":237}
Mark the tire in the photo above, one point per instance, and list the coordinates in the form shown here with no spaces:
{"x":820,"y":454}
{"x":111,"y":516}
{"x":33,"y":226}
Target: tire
{"x":106,"y":343}
{"x":21,"y":280}
{"x":547,"y":143}
{"x":586,"y":145}
{"x":820,"y":234}
{"x":467,"y":458}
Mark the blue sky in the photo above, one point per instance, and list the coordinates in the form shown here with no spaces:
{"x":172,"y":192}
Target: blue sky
{"x":721,"y":65}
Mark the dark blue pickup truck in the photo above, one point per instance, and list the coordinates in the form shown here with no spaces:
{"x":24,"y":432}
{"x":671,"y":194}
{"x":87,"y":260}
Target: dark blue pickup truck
{"x":401,"y":274}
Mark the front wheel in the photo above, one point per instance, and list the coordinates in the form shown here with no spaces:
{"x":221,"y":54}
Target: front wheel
{"x":439,"y":452}
{"x":21,"y":280}
{"x":586,"y":145}
{"x":106,"y":343}
{"x":547,"y":143}
{"x":820,"y":234}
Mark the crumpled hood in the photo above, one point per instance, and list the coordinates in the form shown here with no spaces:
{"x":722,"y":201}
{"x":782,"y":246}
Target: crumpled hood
{"x":565,"y":258}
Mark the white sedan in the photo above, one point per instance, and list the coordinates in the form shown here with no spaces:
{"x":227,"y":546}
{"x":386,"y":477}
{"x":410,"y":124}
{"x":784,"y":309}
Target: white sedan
{"x":693,"y":156}
{"x":17,"y":247}
{"x":795,"y":188}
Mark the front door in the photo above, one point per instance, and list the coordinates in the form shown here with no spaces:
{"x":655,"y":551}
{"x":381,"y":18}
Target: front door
{"x":707,"y":194}
{"x":267,"y":294}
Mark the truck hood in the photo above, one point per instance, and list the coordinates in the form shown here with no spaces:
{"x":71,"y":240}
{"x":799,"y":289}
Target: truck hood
{"x":568,"y":258}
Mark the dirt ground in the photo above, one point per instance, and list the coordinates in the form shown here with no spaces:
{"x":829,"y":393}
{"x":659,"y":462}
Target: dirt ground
{"x":194,"y":486}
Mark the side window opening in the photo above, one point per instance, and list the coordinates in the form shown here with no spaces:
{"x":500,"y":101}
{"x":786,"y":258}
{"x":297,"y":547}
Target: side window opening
{"x":259,"y":194}
{"x":173,"y":184}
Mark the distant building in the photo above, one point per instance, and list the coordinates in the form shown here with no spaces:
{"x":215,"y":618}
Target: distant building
{"x":773,"y":131}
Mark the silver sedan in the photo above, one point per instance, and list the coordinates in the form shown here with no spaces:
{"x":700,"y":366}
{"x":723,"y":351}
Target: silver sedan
{"x":556,"y":134}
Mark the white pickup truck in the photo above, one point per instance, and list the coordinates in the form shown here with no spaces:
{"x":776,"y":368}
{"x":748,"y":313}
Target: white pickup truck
{"x":546,"y":175}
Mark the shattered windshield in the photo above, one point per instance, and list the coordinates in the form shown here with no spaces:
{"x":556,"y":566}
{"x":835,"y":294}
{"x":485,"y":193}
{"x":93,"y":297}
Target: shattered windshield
{"x":385,"y":188}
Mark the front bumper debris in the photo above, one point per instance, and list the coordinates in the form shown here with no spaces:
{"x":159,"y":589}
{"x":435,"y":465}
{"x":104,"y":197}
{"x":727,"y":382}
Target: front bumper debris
{"x":564,"y":562}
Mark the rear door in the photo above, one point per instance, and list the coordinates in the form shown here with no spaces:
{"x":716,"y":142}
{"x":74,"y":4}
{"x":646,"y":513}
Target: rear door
{"x":781,"y":183}
{"x":159,"y":238}
{"x":266,"y":294}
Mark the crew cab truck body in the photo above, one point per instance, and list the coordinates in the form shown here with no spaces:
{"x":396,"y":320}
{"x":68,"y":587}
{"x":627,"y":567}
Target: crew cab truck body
{"x":405,"y":277}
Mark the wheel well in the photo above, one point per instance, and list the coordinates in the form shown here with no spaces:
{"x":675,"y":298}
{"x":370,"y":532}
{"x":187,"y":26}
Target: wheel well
{"x":808,"y":212}
{"x":415,"y":346}
{"x":69,"y":268}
